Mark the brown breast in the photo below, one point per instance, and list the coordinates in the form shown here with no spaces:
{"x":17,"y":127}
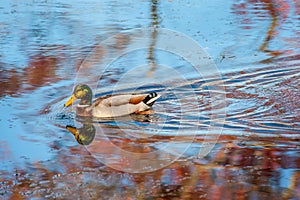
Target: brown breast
{"x":81,"y":111}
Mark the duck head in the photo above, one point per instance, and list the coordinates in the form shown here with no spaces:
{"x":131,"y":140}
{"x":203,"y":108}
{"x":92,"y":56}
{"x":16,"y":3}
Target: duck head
{"x":82,"y":92}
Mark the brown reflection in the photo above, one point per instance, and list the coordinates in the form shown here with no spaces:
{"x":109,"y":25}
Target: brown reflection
{"x":294,"y":185}
{"x":10,"y":82}
{"x":41,"y":71}
{"x":154,"y":25}
{"x":278,"y":11}
{"x":280,"y":102}
{"x":274,"y":13}
{"x":250,"y":171}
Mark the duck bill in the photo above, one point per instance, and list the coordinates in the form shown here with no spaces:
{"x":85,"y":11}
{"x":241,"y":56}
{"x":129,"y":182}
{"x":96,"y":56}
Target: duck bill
{"x":73,"y":130}
{"x":70,"y":101}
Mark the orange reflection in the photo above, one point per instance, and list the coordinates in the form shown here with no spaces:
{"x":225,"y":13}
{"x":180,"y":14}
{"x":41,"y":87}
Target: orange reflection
{"x":41,"y":71}
{"x":278,"y":10}
{"x":232,"y":172}
{"x":10,"y":82}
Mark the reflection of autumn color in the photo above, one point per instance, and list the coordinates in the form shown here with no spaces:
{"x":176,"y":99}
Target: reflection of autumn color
{"x":10,"y":82}
{"x":278,"y":10}
{"x":41,"y":71}
{"x":5,"y":152}
{"x":233,"y":172}
{"x":280,"y":102}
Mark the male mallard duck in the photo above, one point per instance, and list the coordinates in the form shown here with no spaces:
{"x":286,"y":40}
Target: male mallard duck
{"x":110,"y":105}
{"x":84,"y":135}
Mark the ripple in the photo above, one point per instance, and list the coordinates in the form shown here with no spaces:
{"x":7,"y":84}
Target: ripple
{"x":261,"y":100}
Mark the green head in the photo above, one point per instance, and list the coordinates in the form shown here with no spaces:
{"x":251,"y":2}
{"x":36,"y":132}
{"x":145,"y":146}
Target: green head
{"x":82,"y":92}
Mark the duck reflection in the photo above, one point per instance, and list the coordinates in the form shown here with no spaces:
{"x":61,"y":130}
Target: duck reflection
{"x":84,"y":135}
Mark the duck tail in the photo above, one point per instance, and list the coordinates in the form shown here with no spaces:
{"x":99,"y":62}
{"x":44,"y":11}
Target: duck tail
{"x":151,"y":98}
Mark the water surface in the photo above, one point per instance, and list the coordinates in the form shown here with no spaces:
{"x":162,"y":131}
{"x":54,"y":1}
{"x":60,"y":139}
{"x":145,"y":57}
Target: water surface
{"x":255,"y":45}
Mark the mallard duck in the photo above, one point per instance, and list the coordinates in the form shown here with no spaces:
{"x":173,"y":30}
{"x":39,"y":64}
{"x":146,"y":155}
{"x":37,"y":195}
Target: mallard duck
{"x":110,"y":105}
{"x":84,"y":135}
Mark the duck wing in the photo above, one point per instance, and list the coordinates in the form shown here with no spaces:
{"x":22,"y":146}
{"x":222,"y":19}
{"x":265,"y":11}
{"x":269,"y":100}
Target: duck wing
{"x":120,"y":99}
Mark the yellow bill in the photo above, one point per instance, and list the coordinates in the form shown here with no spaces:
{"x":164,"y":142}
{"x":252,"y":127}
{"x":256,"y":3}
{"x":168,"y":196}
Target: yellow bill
{"x":73,"y":130}
{"x":70,"y":101}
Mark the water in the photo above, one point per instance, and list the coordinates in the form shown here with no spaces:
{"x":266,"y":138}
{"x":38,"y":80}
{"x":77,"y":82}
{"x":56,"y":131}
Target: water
{"x":255,"y":46}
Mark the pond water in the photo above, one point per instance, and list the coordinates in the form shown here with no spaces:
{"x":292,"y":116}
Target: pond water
{"x":227,"y":130}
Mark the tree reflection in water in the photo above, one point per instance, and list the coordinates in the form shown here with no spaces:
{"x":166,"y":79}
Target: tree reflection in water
{"x":240,"y":167}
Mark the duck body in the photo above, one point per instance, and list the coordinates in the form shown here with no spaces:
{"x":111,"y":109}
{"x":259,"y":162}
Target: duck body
{"x":110,"y":105}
